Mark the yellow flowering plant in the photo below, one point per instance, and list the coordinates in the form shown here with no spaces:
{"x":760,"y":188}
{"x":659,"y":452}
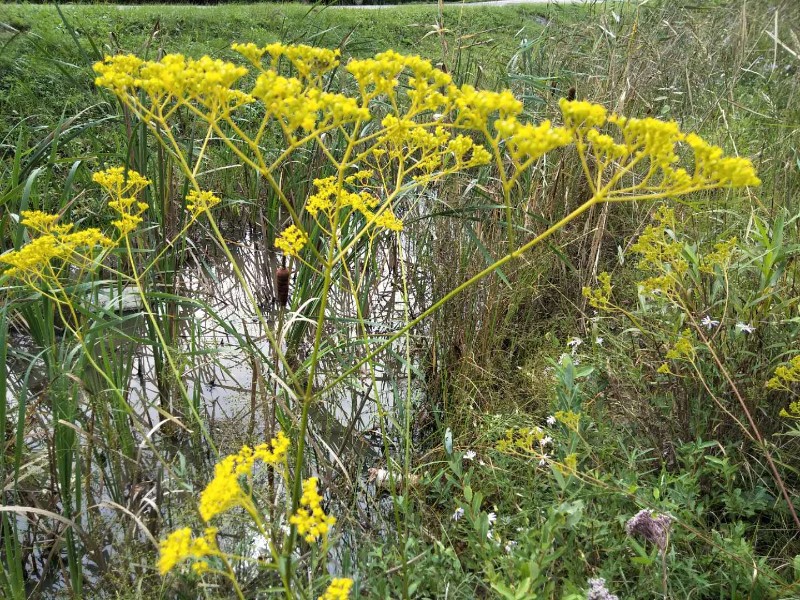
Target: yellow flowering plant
{"x":234,"y":487}
{"x":397,"y":128}
{"x":702,"y":314}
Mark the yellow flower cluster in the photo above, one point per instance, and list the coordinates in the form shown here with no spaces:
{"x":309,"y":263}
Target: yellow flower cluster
{"x":311,"y":521}
{"x":379,"y":75}
{"x":569,"y":418}
{"x":204,"y":81}
{"x":657,"y":141}
{"x":712,"y":168}
{"x":599,"y":297}
{"x":683,"y":349}
{"x":56,"y":247}
{"x":308,"y":61}
{"x":225,"y":491}
{"x":180,"y":546}
{"x":119,"y":182}
{"x":605,"y":147}
{"x":660,"y":251}
{"x":786,"y":376}
{"x":296,"y":104}
{"x":291,"y":241}
{"x":529,"y":142}
{"x":523,"y":439}
{"x":650,"y":137}
{"x":199,"y":202}
{"x":569,"y":466}
{"x":580,"y":115}
{"x":339,"y":589}
{"x":474,"y":107}
{"x":331,"y":197}
{"x":123,"y":186}
{"x":720,"y":257}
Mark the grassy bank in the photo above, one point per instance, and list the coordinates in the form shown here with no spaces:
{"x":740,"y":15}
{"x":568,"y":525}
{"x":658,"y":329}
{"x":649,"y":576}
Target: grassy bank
{"x":44,"y":70}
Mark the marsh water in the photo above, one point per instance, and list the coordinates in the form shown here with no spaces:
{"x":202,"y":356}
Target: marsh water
{"x":233,"y":394}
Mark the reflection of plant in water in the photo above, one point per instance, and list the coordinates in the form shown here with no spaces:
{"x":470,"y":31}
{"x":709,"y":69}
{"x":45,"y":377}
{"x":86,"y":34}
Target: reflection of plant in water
{"x":405,"y":127}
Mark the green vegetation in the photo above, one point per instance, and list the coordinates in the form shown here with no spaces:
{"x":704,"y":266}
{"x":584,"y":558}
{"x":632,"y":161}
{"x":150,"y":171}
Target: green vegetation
{"x":528,"y":362}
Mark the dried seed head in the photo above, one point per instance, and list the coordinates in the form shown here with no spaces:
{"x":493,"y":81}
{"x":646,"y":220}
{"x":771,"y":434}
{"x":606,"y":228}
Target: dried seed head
{"x":282,"y":285}
{"x":571,"y":93}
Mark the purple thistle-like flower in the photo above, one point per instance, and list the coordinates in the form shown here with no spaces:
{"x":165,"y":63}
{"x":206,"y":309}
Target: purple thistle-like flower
{"x":651,"y":526}
{"x":598,"y":590}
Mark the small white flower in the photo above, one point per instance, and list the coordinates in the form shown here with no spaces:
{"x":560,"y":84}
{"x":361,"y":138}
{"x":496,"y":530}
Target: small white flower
{"x":543,"y":460}
{"x":574,"y":343}
{"x":490,"y":536}
{"x":510,"y":545}
{"x":551,"y":420}
{"x":545,"y":441}
{"x":745,"y":327}
{"x":709,"y":323}
{"x":576,"y":362}
{"x":599,"y":341}
{"x":492,"y":517}
{"x":470,"y":454}
{"x":458,"y":514}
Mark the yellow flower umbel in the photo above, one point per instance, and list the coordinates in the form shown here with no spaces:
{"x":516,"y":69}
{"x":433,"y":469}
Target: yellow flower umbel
{"x":199,"y":202}
{"x":291,"y":241}
{"x":180,"y":546}
{"x":45,"y":257}
{"x":599,"y":297}
{"x":225,"y":491}
{"x":123,"y":187}
{"x":569,"y":418}
{"x":524,"y":440}
{"x":339,"y":589}
{"x":786,"y":379}
{"x":311,"y":521}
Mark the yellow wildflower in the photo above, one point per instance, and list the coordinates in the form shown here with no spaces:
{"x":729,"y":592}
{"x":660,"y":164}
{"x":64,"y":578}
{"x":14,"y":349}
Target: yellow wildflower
{"x":199,"y":202}
{"x":339,"y":589}
{"x":119,"y":182}
{"x":569,"y":418}
{"x":786,"y":375}
{"x":720,"y":257}
{"x":388,"y":220}
{"x":529,"y":142}
{"x":570,"y":464}
{"x":474,"y":107}
{"x":180,"y":546}
{"x":291,"y":241}
{"x":683,"y":347}
{"x":523,"y":439}
{"x":712,"y":168}
{"x":650,"y":137}
{"x":599,"y":297}
{"x":311,"y":521}
{"x":322,"y":199}
{"x":123,"y":186}
{"x":605,"y":147}
{"x":34,"y":260}
{"x":224,"y":491}
{"x":580,"y":115}
{"x":42,"y":222}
